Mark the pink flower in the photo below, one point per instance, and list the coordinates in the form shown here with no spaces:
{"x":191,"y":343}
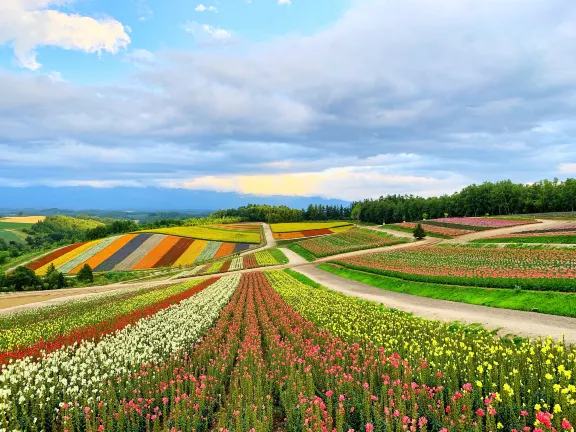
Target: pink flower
{"x":566,"y":424}
{"x":523,"y":413}
{"x":467,"y":387}
{"x":101,"y":427}
{"x":86,"y":410}
{"x":329,"y":393}
{"x":369,"y":427}
{"x":165,"y":400}
{"x":480,"y":412}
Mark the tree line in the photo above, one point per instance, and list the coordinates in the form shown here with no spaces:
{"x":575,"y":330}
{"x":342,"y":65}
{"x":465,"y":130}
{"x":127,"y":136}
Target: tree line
{"x":276,"y":214}
{"x":493,"y":199}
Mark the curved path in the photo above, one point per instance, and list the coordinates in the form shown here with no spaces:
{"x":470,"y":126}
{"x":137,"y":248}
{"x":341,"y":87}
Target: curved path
{"x":509,"y":230}
{"x":526,"y":324}
{"x":270,"y":241}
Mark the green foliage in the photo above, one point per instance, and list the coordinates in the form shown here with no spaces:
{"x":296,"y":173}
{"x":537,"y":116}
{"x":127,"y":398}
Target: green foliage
{"x":496,"y":199}
{"x":23,"y":279}
{"x":85,"y":274}
{"x":419,"y":232}
{"x":556,"y":239}
{"x":279,"y":214}
{"x":410,"y":230}
{"x":302,"y":278}
{"x":54,"y":279}
{"x":278,"y":255}
{"x":554,"y":303}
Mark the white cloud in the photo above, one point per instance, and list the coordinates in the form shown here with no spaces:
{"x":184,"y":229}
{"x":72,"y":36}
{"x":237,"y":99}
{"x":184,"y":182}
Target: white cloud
{"x":284,"y":2}
{"x":567,"y":168}
{"x":206,"y":33}
{"x":28,"y":24}
{"x":141,"y":57}
{"x":202,"y":8}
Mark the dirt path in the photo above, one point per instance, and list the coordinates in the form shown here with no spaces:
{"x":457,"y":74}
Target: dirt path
{"x":502,"y":231}
{"x":526,"y":324}
{"x":13,"y":302}
{"x":270,"y":241}
{"x":293,"y":257}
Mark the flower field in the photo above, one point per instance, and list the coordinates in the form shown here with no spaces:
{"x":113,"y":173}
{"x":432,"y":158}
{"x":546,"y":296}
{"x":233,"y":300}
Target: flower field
{"x":477,"y":223}
{"x":264,"y":258}
{"x":562,"y":233}
{"x":290,"y":231}
{"x":135,"y":252}
{"x":537,"y":269}
{"x":349,"y":241}
{"x":211,"y":233}
{"x":266,"y":352}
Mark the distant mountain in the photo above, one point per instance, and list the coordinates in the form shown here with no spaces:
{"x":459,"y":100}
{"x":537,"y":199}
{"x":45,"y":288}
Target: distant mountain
{"x":149,"y":199}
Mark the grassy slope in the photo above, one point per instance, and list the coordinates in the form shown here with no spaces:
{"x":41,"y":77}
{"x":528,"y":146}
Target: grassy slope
{"x":305,"y":226}
{"x":278,"y":256}
{"x":8,"y":236}
{"x":554,"y":303}
{"x":559,"y":239}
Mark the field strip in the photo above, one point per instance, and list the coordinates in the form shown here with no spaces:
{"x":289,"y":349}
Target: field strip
{"x":137,"y":256}
{"x":525,"y":324}
{"x":270,"y":240}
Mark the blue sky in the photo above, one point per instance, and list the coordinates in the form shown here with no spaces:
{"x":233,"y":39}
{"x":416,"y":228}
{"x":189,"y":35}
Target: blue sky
{"x":343,"y":99}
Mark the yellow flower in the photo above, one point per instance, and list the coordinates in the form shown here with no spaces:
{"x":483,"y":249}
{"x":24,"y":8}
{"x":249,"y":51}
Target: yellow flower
{"x":548,"y":376}
{"x":557,"y":408}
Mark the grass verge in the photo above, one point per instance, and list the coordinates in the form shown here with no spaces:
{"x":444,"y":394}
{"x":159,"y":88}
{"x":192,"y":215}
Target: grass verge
{"x":278,"y":256}
{"x":554,"y":303}
{"x":304,"y":279}
{"x":304,"y":253}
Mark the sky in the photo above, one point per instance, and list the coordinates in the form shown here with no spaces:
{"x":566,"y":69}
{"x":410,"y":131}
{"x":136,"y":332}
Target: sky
{"x":343,"y":99}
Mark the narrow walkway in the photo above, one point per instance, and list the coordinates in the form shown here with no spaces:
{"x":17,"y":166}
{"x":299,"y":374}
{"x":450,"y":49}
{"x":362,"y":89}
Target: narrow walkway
{"x":526,"y":324}
{"x":387,"y":231}
{"x":544,"y":224}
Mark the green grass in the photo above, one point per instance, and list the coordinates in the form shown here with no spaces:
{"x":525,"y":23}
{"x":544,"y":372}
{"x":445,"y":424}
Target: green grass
{"x":14,"y":225}
{"x":410,"y":230}
{"x":559,"y":239}
{"x":304,"y":253}
{"x":303,"y":279}
{"x":553,"y":303}
{"x":9,"y":236}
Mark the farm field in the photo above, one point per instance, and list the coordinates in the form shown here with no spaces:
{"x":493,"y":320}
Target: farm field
{"x":137,"y":251}
{"x":22,"y":219}
{"x":527,"y":268}
{"x":270,"y":257}
{"x":202,"y":354}
{"x":560,"y":234}
{"x":297,"y":230}
{"x":11,"y":227}
{"x":349,"y":241}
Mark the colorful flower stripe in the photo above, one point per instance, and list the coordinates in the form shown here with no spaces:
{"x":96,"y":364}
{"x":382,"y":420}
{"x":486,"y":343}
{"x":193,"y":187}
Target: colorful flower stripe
{"x":241,"y":247}
{"x":288,"y":236}
{"x":226,"y":266}
{"x":133,"y":243}
{"x":83,"y":257}
{"x":540,"y":269}
{"x":60,"y":261}
{"x":225,"y":250}
{"x":173,"y":254}
{"x":237,"y":263}
{"x":265,"y":258}
{"x":481,"y":222}
{"x":29,"y":326}
{"x":347,"y":242}
{"x":156,"y":254}
{"x":305,"y":226}
{"x":249,"y":262}
{"x":210,"y":234}
{"x":86,"y":372}
{"x":191,"y":254}
{"x":105,"y":254}
{"x":95,"y":332}
{"x":138,"y":255}
{"x":209,"y":251}
{"x":509,"y":382}
{"x":54,"y":255}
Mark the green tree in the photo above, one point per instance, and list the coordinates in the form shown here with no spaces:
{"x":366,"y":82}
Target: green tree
{"x":51,"y":269}
{"x":356,"y":212}
{"x":54,"y":280}
{"x":24,"y":279}
{"x":419,"y":232}
{"x":85,"y":274}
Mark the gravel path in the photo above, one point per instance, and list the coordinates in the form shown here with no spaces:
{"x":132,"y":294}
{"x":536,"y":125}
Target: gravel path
{"x":526,"y":324}
{"x":501,"y":231}
{"x":387,"y":231}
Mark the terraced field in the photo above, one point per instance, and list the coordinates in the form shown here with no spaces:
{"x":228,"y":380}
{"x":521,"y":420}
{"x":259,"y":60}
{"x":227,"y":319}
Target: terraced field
{"x":297,"y":230}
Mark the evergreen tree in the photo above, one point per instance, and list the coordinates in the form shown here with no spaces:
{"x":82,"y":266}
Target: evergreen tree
{"x":419,"y":232}
{"x":23,"y":279}
{"x":51,"y":269}
{"x":85,"y":274}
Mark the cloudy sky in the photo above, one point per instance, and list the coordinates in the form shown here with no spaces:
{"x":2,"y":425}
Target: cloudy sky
{"x":337,"y":98}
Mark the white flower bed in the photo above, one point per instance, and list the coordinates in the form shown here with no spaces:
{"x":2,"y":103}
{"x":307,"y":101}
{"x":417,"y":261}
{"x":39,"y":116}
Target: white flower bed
{"x":79,"y":372}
